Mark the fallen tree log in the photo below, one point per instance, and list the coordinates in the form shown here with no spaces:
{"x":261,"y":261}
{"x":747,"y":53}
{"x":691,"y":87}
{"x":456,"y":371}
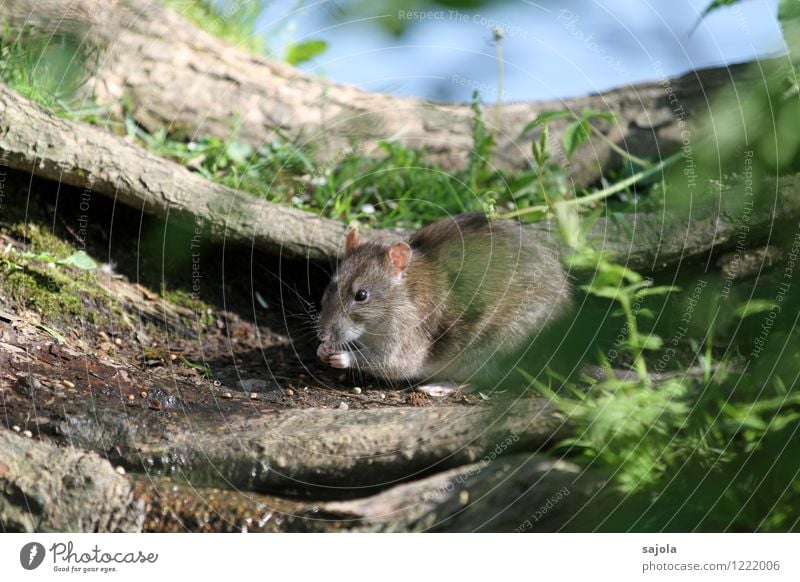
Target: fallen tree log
{"x":35,"y":141}
{"x":178,"y":77}
{"x":519,"y":493}
{"x":327,"y":453}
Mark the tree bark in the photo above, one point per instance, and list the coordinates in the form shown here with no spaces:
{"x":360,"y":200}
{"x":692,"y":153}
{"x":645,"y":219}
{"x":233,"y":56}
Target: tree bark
{"x":178,"y":77}
{"x":44,"y":488}
{"x":35,"y":141}
{"x":325,"y":453}
{"x":519,"y":493}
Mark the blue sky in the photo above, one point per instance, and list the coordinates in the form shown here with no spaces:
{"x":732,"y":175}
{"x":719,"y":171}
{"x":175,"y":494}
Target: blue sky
{"x":552,"y":49}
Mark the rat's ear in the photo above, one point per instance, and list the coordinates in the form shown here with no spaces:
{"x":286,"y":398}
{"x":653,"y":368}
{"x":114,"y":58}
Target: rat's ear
{"x":399,"y":258}
{"x":351,"y":240}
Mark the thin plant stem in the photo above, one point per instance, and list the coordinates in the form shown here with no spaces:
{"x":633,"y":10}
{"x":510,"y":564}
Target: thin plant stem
{"x":498,"y":108}
{"x":600,"y":194}
{"x":624,"y":153}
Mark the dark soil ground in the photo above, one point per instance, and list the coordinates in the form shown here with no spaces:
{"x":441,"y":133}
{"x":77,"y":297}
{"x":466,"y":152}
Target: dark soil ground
{"x":191,"y":324}
{"x":167,"y":328}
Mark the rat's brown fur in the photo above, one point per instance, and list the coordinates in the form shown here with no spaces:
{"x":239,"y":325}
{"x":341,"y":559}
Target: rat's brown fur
{"x":473,"y":289}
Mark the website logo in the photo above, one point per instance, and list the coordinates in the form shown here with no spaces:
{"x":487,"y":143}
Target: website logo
{"x":31,"y":555}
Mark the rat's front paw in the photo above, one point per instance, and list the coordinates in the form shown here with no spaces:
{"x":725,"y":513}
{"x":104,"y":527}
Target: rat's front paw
{"x":324,"y":351}
{"x":341,"y":360}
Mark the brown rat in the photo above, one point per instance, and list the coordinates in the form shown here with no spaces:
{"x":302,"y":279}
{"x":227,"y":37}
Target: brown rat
{"x":443,"y":306}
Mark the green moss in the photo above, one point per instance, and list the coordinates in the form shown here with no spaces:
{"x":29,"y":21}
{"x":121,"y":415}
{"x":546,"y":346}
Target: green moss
{"x":42,"y":241}
{"x":204,"y":319}
{"x":57,"y":293}
{"x":51,"y":293}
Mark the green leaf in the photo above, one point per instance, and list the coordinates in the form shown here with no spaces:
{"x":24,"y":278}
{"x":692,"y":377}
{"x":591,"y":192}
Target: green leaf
{"x":660,"y":290}
{"x":607,"y":292}
{"x":238,"y":152}
{"x":651,"y":342}
{"x":588,"y":114}
{"x":54,"y":333}
{"x":716,"y":4}
{"x":753,"y":307}
{"x":618,"y":273}
{"x":305,"y":51}
{"x":569,"y":223}
{"x":645,"y":312}
{"x":204,"y":368}
{"x":79,"y":260}
{"x":745,"y":416}
{"x":575,"y":134}
{"x":547,"y":117}
{"x":787,"y":10}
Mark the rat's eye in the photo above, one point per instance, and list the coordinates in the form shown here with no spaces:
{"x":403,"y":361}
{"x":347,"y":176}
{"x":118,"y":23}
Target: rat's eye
{"x":361,"y":295}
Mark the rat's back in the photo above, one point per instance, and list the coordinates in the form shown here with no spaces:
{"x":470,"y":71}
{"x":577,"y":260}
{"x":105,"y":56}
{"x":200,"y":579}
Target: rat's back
{"x":502,"y":286}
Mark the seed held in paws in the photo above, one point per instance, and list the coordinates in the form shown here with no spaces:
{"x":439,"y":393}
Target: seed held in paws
{"x":340,"y":360}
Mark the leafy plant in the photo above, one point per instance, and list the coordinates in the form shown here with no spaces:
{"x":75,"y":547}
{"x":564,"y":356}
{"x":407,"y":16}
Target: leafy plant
{"x":79,"y":259}
{"x":230,"y":20}
{"x":707,"y":451}
{"x":48,"y":69}
{"x":236,"y":21}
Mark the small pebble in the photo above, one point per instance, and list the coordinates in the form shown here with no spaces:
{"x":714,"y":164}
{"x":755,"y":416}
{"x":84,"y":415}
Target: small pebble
{"x":227,"y":395}
{"x":217,"y":383}
{"x":15,"y":428}
{"x":173,"y":357}
{"x":68,"y":384}
{"x":356,"y":390}
{"x":143,"y":394}
{"x":343,"y":406}
{"x":253,"y":396}
{"x":383,"y":396}
{"x":290,"y":392}
{"x":27,"y":433}
{"x":131,"y":397}
{"x":117,"y":342}
{"x":121,"y":470}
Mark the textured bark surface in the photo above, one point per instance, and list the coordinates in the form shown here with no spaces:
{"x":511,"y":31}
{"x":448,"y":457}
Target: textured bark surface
{"x":330,"y":453}
{"x":711,"y":221}
{"x":518,"y":493}
{"x":44,"y":488}
{"x":179,"y":77}
{"x":34,"y":141}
